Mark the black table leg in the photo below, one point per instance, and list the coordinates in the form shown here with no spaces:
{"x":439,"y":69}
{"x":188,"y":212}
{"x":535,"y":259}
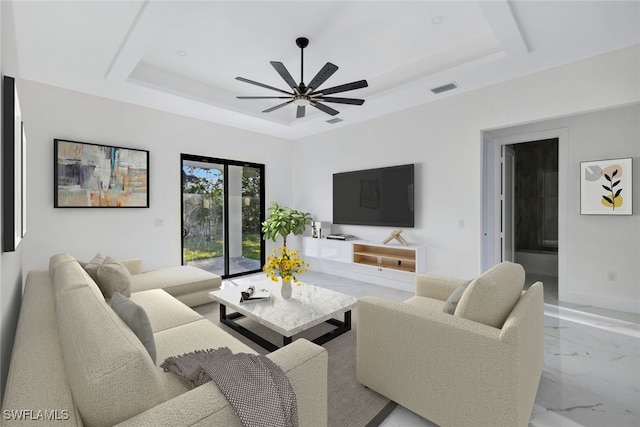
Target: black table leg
{"x":228,"y":319}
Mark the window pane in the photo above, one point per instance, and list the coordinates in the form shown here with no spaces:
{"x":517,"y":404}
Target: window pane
{"x":203,"y":216}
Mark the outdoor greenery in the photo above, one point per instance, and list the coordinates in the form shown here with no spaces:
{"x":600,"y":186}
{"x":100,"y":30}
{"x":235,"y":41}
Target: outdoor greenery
{"x":200,"y":248}
{"x":203,"y":213}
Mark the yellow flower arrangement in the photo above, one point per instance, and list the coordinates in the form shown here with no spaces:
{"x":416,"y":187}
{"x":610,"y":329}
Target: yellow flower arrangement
{"x":285,"y":263}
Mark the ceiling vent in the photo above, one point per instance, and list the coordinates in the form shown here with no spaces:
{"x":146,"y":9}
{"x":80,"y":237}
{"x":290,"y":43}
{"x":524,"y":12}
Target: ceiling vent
{"x":334,"y":121}
{"x":444,"y":88}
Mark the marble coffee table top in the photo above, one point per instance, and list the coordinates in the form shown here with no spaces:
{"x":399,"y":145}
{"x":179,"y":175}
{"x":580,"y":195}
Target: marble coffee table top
{"x":308,"y":306}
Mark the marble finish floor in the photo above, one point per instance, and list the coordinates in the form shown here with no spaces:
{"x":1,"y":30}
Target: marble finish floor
{"x":591,"y":372}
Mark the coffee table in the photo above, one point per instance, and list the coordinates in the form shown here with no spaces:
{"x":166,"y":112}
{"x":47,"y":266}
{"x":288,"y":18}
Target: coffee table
{"x":308,"y":306}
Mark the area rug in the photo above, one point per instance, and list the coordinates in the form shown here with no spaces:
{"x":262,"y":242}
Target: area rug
{"x":350,"y":403}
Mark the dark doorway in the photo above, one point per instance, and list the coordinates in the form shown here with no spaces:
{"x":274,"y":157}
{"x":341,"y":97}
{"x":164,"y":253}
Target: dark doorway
{"x":535,"y":216}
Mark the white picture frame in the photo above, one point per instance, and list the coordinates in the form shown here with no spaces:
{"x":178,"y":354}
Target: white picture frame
{"x":606,"y":187}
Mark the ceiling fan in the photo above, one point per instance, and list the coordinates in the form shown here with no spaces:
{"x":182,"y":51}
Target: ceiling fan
{"x":304,"y":95}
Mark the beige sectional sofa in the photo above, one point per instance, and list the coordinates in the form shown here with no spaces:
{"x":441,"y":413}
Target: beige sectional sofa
{"x":75,"y":362}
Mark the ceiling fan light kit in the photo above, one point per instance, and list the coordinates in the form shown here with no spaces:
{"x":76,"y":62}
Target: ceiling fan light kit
{"x":304,"y":95}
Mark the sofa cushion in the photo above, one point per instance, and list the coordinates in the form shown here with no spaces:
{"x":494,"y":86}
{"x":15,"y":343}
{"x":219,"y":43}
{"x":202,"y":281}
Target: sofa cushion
{"x":452,"y":302}
{"x":177,"y":280}
{"x":490,"y":298}
{"x":113,"y":277}
{"x":198,"y":335}
{"x":163,"y":310}
{"x":109,"y":371}
{"x":56,"y":260}
{"x":136,"y":319}
{"x":69,"y":276}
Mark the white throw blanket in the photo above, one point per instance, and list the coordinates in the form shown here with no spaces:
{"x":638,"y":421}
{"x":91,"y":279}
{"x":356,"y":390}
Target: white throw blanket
{"x":257,"y":389}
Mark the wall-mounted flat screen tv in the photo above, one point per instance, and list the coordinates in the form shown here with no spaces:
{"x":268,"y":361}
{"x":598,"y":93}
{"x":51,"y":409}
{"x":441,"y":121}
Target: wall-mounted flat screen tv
{"x":382,"y":196}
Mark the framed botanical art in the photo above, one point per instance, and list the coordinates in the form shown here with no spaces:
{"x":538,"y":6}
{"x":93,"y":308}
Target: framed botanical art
{"x":606,"y":187}
{"x":90,"y":175}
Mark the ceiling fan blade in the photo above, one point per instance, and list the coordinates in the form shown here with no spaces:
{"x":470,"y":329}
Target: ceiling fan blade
{"x":263,"y":97}
{"x":345,"y":87}
{"x":352,"y":101}
{"x":325,"y":109}
{"x":326,"y":72}
{"x":268,"y":110}
{"x":284,"y":73}
{"x":300,"y":112}
{"x":242,"y":79}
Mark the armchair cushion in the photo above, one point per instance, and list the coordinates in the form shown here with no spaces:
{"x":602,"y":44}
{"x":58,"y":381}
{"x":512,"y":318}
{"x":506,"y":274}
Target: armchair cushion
{"x":452,"y":302}
{"x":490,"y":298}
{"x":426,"y":304}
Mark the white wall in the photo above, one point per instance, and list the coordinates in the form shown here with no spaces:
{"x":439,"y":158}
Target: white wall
{"x":444,"y":140}
{"x":10,"y":262}
{"x":57,"y":113}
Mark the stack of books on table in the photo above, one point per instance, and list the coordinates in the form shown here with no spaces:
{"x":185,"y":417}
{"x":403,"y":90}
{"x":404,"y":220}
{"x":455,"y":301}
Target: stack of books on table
{"x":254,"y":295}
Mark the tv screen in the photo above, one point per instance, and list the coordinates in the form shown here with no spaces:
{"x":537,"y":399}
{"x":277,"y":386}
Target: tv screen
{"x":382,"y":196}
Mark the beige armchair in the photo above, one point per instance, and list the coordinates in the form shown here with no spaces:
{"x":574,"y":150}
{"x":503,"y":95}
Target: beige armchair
{"x":479,"y":366}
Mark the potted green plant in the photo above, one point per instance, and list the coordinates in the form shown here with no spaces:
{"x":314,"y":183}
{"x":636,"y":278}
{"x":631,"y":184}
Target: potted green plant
{"x":284,"y":263}
{"x":283,"y":221}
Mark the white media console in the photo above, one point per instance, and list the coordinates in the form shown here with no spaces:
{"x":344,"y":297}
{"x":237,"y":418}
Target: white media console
{"x":389,"y":264}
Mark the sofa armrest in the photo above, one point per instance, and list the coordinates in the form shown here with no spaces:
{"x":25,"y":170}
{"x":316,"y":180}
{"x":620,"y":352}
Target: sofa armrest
{"x":306,"y":367}
{"x":36,"y":379}
{"x":134,"y":265}
{"x":436,"y":287}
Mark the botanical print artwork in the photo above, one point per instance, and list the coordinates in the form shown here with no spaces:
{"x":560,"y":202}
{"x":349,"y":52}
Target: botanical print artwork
{"x":91,"y":175}
{"x":606,"y":187}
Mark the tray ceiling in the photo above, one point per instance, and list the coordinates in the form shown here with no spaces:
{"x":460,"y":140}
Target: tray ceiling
{"x":183,"y":56}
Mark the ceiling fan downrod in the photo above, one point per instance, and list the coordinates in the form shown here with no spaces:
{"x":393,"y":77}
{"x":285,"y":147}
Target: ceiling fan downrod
{"x":302,"y":42}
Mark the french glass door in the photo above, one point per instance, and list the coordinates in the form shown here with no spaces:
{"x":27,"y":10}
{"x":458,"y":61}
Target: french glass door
{"x":222,"y":213}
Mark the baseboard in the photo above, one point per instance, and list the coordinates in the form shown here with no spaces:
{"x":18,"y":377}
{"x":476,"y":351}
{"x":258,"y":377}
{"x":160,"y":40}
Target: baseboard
{"x":619,"y":304}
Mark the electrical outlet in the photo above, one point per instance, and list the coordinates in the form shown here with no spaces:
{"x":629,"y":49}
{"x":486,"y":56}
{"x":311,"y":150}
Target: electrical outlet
{"x":612,"y":276}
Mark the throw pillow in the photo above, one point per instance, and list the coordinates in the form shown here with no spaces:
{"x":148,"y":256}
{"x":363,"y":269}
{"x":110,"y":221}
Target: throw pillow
{"x":113,"y":277}
{"x":92,"y":266}
{"x":136,"y":319}
{"x":452,"y":302}
{"x":491,"y":297}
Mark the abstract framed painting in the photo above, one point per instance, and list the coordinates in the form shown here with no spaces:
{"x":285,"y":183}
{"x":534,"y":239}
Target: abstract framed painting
{"x":606,"y":187}
{"x":13,"y":168}
{"x":88,"y":175}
